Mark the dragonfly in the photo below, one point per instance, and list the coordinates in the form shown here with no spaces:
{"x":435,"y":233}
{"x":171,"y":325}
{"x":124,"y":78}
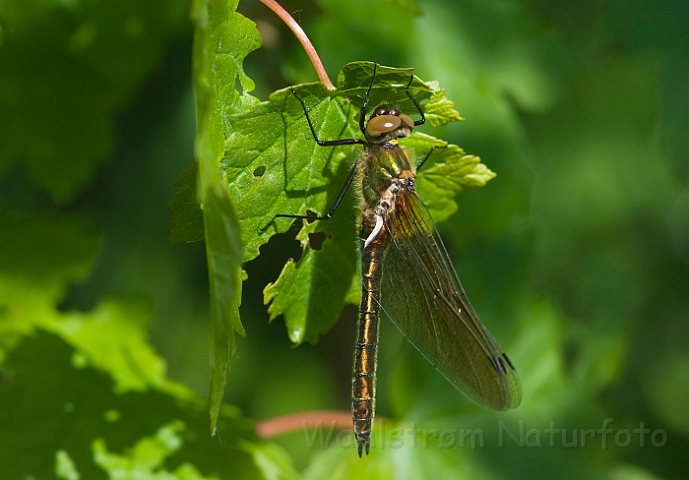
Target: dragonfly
{"x":407,"y":274}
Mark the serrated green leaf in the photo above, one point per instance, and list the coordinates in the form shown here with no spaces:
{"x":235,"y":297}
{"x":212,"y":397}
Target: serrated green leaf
{"x":357,"y":75}
{"x":112,"y":338}
{"x":223,"y":347}
{"x":222,"y":39}
{"x":354,"y":293}
{"x":43,"y":253}
{"x":272,"y":165}
{"x":439,"y":183}
{"x":326,"y":273}
{"x":80,"y":413}
{"x":145,"y":460}
{"x":187,"y":217}
{"x":440,"y":111}
{"x":224,"y":256}
{"x":40,"y":254}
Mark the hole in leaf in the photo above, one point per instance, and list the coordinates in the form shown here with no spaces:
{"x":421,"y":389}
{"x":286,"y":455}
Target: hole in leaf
{"x":267,"y":266}
{"x":259,"y":171}
{"x":317,"y":239}
{"x":311,"y":216}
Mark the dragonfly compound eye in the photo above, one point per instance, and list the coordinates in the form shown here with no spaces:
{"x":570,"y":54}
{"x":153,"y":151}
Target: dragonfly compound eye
{"x":382,"y":124}
{"x":407,"y":119}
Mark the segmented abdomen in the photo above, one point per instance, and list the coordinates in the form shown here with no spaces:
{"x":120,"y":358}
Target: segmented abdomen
{"x":366,"y":351}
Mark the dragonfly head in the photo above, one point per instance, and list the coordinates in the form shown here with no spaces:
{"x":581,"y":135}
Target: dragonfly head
{"x":388,"y":122}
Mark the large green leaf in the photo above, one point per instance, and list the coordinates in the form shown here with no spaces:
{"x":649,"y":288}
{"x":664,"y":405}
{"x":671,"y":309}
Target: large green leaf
{"x":66,"y":418}
{"x":222,"y":39}
{"x":40,"y":254}
{"x":98,"y":395}
{"x":273,"y":165}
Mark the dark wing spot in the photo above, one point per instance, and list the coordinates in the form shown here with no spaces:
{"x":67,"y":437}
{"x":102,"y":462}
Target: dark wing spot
{"x":498,"y":364}
{"x":502,"y":365}
{"x":509,"y":362}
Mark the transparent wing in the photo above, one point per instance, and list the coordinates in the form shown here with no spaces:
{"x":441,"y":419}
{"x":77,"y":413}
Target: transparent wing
{"x":422,"y":295}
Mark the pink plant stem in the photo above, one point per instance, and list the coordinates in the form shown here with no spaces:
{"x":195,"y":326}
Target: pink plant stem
{"x":297,"y":421}
{"x":306,"y":43}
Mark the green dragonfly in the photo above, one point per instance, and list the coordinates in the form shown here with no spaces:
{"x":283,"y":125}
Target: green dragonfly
{"x":407,"y":274}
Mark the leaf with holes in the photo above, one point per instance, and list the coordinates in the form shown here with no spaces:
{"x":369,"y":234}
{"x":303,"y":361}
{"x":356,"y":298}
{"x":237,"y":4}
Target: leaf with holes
{"x":273,"y":165}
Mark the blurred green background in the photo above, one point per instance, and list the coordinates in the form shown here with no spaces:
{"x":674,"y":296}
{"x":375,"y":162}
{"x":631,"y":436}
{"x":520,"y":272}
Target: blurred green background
{"x":576,"y":256}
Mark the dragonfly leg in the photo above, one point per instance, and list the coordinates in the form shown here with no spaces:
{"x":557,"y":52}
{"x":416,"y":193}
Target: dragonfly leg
{"x":364,"y":105}
{"x":428,"y":155}
{"x":329,"y":213}
{"x":325,"y":143}
{"x":422,"y":120}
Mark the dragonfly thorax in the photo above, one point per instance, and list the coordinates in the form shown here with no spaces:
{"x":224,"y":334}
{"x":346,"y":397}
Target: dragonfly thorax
{"x":387,"y":123}
{"x":388,"y":199}
{"x":385,"y":207}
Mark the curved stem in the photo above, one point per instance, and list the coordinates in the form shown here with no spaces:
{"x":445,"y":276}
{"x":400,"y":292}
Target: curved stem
{"x":272,"y":427}
{"x":306,"y":43}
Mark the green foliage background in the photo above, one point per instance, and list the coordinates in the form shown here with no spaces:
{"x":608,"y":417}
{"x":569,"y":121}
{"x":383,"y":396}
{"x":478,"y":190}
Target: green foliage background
{"x":576,"y":255}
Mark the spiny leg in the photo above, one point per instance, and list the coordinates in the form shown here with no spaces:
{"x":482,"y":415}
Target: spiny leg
{"x":364,"y":105}
{"x":328,"y":143}
{"x":329,"y":213}
{"x":428,"y":155}
{"x":422,"y":120}
{"x":340,"y":142}
{"x":325,"y":143}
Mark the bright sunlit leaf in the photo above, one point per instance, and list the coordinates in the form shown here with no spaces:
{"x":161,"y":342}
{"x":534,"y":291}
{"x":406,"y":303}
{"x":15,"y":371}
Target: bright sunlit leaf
{"x":273,"y":165}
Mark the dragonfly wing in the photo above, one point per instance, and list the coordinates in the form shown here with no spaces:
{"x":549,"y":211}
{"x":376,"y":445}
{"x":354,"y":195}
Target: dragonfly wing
{"x":423,"y":296}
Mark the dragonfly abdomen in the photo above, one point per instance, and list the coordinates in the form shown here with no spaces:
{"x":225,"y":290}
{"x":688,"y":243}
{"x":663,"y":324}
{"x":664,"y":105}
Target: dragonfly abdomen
{"x":366,"y":351}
